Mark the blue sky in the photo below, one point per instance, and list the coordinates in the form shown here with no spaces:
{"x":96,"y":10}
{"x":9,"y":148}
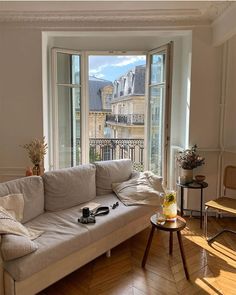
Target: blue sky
{"x":111,"y":67}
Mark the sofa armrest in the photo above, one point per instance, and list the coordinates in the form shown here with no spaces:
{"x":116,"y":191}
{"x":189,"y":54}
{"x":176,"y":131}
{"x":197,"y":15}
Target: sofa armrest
{"x":1,"y":271}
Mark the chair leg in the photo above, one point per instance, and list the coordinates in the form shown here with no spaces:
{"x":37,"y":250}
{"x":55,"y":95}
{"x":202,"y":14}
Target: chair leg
{"x":219,"y":233}
{"x":205,"y":222}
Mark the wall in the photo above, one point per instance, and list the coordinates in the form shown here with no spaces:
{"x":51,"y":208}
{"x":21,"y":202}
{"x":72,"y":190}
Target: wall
{"x":21,"y":88}
{"x":204,"y":127}
{"x":20,"y":97}
{"x":229,"y":105}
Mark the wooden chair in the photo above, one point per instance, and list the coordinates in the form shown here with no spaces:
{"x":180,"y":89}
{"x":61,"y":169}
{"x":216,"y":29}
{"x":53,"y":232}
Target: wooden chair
{"x":224,"y":204}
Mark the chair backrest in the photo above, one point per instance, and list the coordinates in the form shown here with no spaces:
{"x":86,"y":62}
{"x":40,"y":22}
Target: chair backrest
{"x":230,"y":177}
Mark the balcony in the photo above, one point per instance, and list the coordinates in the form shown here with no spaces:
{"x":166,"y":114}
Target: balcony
{"x":130,"y":119}
{"x":101,"y":149}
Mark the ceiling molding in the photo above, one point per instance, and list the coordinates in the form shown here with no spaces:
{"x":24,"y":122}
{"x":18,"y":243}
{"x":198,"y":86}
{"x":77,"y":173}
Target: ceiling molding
{"x":224,"y":27}
{"x":177,"y":13}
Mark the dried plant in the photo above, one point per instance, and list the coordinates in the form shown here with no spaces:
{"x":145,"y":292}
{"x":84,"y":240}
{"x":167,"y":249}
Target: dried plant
{"x":36,"y":149}
{"x":189,"y":158}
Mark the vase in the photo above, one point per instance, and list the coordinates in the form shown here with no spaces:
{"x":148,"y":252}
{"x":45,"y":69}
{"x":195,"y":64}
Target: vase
{"x":186,"y":176}
{"x":170,"y":206}
{"x":36,"y":169}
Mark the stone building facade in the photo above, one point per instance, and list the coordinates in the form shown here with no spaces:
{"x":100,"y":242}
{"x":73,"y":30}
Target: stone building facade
{"x":128,"y":105}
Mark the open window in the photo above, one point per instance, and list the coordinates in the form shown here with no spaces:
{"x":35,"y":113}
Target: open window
{"x":158,"y":110}
{"x":115,"y":125}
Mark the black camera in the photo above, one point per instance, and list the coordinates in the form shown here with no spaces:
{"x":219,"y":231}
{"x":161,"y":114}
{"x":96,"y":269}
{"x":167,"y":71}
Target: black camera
{"x":87,"y":216}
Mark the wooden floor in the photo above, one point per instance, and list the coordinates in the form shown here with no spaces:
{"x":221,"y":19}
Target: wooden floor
{"x":212,"y":268}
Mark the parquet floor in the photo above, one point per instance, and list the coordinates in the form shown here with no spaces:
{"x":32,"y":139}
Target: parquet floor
{"x":212,"y":268}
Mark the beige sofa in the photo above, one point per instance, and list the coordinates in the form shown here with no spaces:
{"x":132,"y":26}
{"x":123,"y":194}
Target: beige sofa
{"x":52,"y":204}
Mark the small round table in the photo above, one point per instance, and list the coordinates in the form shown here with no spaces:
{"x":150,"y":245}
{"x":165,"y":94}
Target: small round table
{"x":192,"y":185}
{"x":169,"y":226}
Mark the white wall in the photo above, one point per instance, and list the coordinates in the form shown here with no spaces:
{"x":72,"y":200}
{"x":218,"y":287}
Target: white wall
{"x":20,"y":96}
{"x":229,"y":122}
{"x":204,"y":126}
{"x":21,"y":90}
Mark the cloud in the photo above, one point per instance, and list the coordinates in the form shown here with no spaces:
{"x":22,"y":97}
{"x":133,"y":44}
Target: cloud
{"x":98,"y":69}
{"x":128,"y":60}
{"x":110,"y":67}
{"x":100,"y":75}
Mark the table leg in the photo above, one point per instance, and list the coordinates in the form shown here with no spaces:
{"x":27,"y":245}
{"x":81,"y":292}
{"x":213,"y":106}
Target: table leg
{"x":201,"y":208}
{"x":181,"y":200}
{"x":182,"y":254}
{"x":171,"y":243}
{"x":148,"y":246}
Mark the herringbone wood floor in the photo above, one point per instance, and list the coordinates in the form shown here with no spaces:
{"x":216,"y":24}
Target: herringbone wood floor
{"x":212,"y":268}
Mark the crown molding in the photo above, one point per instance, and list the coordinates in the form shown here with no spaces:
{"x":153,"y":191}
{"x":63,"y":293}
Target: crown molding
{"x":224,"y":27}
{"x":190,"y":13}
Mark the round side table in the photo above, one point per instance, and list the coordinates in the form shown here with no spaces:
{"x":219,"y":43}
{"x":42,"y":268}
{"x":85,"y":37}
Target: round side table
{"x":170,"y":227}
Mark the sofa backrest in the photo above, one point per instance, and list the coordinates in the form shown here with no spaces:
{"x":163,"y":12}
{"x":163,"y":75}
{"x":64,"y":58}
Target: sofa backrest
{"x":69,"y":187}
{"x":32,"y":189}
{"x":108,"y":172}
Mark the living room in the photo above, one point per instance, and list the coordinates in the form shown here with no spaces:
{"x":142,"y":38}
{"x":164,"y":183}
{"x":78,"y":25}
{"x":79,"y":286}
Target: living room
{"x":201,"y":110}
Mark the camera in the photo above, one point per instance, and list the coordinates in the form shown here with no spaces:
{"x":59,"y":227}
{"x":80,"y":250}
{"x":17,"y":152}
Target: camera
{"x":87,"y":216}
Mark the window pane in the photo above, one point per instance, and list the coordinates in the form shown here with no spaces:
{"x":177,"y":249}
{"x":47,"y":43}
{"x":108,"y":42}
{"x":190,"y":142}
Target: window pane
{"x":157,"y":68}
{"x":69,"y":126}
{"x":64,"y":126}
{"x":156,"y":132}
{"x":116,"y":113}
{"x":63,"y":68}
{"x":76,"y":69}
{"x":68,"y":69}
{"x":76,"y":126}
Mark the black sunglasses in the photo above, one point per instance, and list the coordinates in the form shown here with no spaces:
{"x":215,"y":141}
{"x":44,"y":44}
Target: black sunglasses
{"x":115,"y":205}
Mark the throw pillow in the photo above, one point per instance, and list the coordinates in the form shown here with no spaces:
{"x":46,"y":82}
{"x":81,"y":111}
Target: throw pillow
{"x":14,"y":204}
{"x":13,"y":246}
{"x":146,"y":189}
{"x":9,"y":225}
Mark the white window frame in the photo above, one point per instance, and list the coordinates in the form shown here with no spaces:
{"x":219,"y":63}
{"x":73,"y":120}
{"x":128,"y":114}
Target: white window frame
{"x":84,"y":112}
{"x":167,"y":49}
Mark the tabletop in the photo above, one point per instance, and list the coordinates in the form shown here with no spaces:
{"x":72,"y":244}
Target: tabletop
{"x":170,"y":226}
{"x":194,"y":185}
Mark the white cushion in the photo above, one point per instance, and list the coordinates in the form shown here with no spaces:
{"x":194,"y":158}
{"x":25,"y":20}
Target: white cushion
{"x":32,"y":189}
{"x":146,"y":189}
{"x":108,"y":172}
{"x":69,"y":187}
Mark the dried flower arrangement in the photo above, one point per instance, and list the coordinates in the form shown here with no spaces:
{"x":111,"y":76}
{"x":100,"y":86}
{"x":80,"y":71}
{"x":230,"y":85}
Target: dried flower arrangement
{"x":36,"y":149}
{"x":189,"y":159}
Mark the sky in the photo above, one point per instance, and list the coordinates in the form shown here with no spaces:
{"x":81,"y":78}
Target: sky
{"x":111,"y":67}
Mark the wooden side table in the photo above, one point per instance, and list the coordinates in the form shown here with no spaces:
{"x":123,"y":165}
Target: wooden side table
{"x":170,"y":227}
{"x":192,"y":185}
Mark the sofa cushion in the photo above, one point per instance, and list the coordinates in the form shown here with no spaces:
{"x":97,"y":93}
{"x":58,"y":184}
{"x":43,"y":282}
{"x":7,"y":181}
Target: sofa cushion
{"x":13,"y":246}
{"x":108,"y":172}
{"x":117,"y":218}
{"x":63,"y":235}
{"x":69,"y":187}
{"x":32,"y":189}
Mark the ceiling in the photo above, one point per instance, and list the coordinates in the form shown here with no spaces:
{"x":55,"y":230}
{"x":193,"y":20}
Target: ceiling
{"x":159,"y":12}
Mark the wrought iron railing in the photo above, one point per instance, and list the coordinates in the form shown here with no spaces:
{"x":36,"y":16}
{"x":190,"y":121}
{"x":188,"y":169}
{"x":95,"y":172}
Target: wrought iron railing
{"x":102,"y":149}
{"x":129,"y":119}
